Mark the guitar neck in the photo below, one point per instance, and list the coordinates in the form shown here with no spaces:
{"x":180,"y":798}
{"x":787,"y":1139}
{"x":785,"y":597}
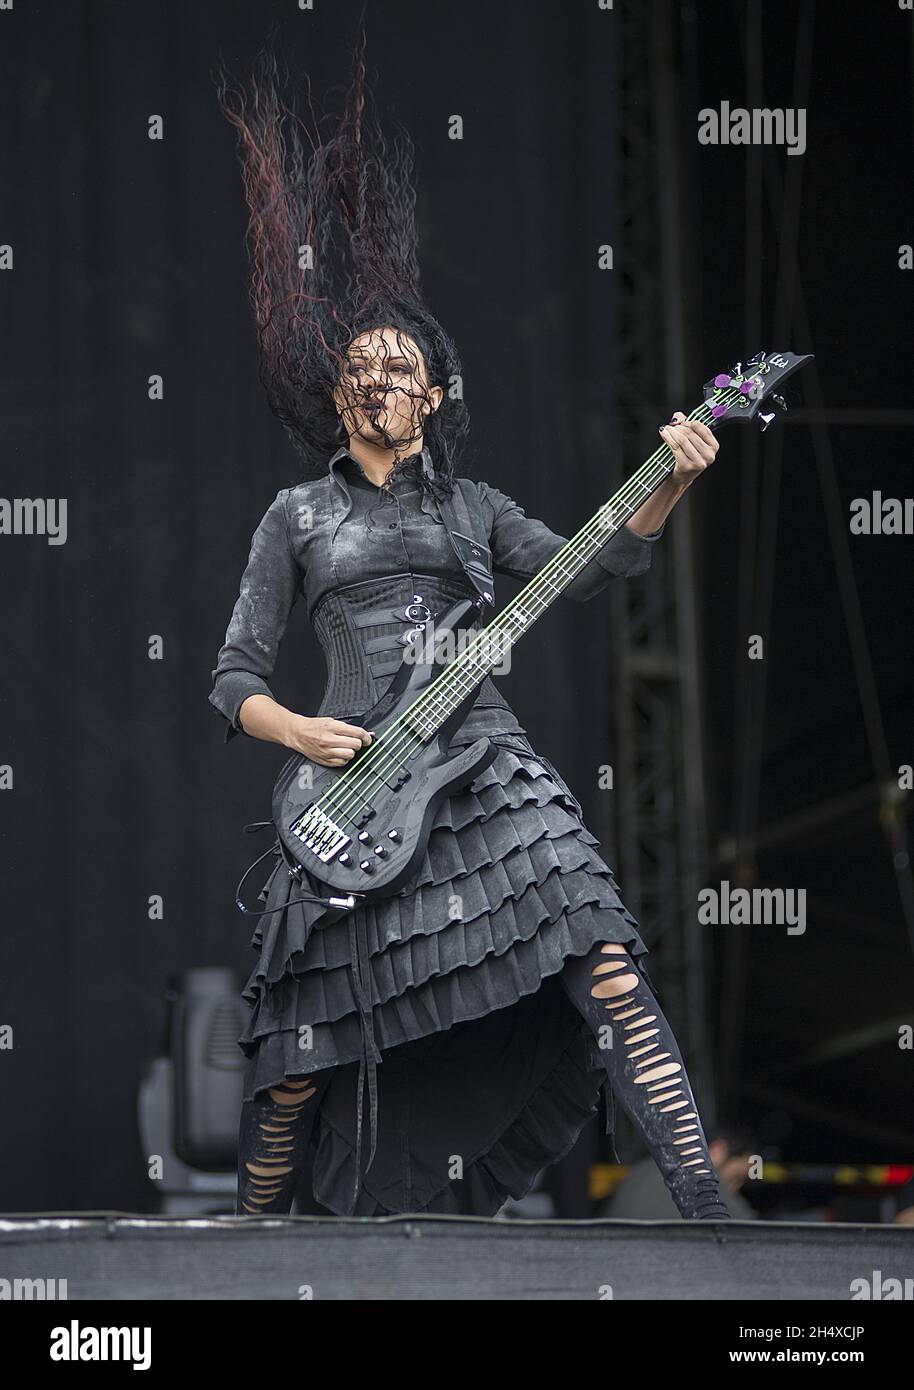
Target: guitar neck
{"x":490,"y":647}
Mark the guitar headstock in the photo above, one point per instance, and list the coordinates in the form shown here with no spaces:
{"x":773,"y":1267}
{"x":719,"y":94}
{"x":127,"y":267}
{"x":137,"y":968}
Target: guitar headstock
{"x":741,"y":393}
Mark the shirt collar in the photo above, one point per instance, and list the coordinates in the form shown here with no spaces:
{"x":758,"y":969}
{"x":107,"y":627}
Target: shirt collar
{"x":344,"y":453}
{"x":427,"y":503}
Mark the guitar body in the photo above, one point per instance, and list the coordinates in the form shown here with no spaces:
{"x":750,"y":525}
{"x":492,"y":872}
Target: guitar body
{"x":373,"y":839}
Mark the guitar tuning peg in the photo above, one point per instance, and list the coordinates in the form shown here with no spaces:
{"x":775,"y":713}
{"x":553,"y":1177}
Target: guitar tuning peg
{"x":765,"y":417}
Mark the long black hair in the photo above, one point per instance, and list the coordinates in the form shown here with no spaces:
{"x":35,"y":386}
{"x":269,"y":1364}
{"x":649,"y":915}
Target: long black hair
{"x":333,"y":252}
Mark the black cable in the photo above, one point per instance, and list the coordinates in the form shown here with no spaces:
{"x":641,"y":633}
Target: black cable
{"x":278,"y":847}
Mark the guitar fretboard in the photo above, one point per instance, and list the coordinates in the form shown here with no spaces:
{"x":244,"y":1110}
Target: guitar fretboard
{"x":490,"y":647}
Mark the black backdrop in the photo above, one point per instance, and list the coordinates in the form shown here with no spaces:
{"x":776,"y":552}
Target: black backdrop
{"x":129,"y":261}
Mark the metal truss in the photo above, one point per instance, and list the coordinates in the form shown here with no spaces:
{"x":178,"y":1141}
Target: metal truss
{"x":657,"y":807}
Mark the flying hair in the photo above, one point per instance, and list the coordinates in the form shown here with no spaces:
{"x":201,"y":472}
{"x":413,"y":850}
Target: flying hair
{"x":333,"y":254}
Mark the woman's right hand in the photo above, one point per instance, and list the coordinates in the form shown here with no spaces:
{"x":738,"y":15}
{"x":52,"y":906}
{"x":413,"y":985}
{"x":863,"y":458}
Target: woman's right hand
{"x":329,"y":742}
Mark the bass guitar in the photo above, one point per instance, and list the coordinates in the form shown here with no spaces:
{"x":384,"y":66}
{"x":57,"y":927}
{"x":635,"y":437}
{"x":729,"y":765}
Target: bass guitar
{"x":361,"y":830}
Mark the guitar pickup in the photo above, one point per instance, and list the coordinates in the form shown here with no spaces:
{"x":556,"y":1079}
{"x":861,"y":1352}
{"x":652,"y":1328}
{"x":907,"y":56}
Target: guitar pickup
{"x":395,"y":778}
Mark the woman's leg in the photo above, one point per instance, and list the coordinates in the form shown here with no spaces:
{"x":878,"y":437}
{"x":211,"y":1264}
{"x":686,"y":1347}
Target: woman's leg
{"x":273,"y":1139}
{"x":647,"y":1073}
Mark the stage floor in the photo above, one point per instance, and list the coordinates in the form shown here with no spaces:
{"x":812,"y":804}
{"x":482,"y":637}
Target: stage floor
{"x":115,"y":1255}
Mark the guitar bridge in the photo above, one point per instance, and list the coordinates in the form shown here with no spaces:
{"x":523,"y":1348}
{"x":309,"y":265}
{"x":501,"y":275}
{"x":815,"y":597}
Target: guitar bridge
{"x":319,"y":833}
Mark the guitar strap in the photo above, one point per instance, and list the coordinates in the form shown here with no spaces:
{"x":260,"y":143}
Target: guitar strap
{"x":464,"y":524}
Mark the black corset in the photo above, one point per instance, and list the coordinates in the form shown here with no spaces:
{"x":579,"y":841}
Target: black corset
{"x":364,"y":630}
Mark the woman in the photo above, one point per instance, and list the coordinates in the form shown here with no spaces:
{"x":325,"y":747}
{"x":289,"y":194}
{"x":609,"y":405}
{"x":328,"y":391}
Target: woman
{"x":489,"y":1000}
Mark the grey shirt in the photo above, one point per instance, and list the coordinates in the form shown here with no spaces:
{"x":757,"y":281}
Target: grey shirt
{"x":358,"y":556}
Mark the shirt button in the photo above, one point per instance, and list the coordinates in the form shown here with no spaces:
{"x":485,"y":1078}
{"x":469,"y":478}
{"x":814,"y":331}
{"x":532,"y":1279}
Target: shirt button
{"x":392,"y":526}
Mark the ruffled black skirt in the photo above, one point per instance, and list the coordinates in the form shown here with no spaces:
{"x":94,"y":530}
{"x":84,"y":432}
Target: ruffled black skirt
{"x":443,"y":1001}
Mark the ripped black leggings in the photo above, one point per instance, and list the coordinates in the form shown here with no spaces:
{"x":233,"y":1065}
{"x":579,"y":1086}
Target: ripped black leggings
{"x":643,"y":1064}
{"x":273,"y":1139}
{"x":647,"y":1073}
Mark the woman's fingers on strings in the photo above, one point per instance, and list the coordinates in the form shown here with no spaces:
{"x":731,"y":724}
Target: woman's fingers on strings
{"x":338,"y":742}
{"x":681,"y":428}
{"x":692,"y":443}
{"x":676,"y":437}
{"x":701,"y":429}
{"x":354,"y":731}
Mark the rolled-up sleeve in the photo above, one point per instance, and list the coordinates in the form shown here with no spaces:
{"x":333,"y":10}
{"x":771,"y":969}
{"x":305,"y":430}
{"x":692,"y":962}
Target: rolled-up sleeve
{"x":269,"y":587}
{"x":521,"y":546}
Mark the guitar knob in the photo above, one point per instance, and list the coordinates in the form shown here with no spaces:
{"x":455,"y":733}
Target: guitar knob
{"x":380,"y":851}
{"x":366,"y":866}
{"x":345,"y":859}
{"x":393,"y":835}
{"x":364,"y":836}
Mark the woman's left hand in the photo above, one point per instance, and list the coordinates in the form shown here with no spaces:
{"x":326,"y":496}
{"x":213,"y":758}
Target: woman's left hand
{"x":693,"y":445}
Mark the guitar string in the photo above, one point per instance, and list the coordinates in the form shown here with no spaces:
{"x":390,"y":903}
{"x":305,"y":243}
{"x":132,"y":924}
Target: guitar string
{"x":388,"y":748}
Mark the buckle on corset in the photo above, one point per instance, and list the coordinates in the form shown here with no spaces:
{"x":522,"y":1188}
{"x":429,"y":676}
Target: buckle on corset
{"x":419,"y":613}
